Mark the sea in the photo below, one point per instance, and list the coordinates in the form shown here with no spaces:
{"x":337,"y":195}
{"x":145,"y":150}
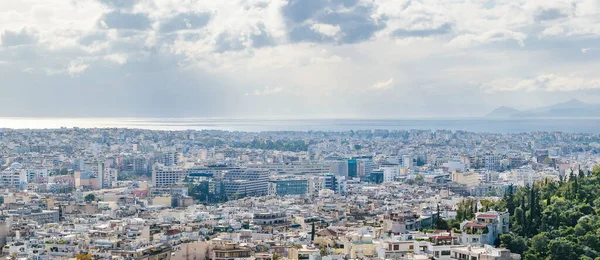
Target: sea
{"x":519,"y":125}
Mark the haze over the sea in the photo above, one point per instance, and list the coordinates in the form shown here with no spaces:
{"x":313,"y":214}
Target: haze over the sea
{"x":578,"y":125}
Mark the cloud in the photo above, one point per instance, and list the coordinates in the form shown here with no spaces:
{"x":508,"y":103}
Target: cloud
{"x":316,"y":21}
{"x":16,"y":38}
{"x":547,"y":14}
{"x":468,"y":40}
{"x":76,"y":67}
{"x":121,"y":20}
{"x":383,"y":85}
{"x":121,"y":4}
{"x":323,"y":54}
{"x":185,"y":21}
{"x":587,"y":50}
{"x":442,"y":29}
{"x":553,"y":31}
{"x":267,"y":91}
{"x":326,"y":29}
{"x":546,"y":82}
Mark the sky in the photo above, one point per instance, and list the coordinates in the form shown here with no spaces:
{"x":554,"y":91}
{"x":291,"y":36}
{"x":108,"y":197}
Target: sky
{"x":294,"y":58}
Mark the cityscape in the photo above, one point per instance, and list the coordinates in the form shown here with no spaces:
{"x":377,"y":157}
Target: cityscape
{"x":115,"y":193}
{"x":299,"y":130}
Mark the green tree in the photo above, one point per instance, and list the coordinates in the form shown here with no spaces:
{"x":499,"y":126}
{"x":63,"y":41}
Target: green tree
{"x":90,"y":197}
{"x":562,"y":249}
{"x":312,"y":232}
{"x":515,"y":244}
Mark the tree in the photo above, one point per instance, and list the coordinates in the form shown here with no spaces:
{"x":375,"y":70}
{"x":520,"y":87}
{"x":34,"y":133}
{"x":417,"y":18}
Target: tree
{"x":539,"y":245}
{"x":562,"y":249}
{"x":312,"y":233}
{"x":419,"y":177}
{"x":565,"y":226}
{"x":518,"y":225}
{"x":515,"y":244}
{"x":509,"y":197}
{"x":90,"y":197}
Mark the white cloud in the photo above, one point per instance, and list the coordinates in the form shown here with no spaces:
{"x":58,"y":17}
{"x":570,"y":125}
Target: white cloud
{"x":76,"y":67}
{"x":311,"y":49}
{"x":267,"y":91}
{"x":116,"y":58}
{"x":383,"y":85}
{"x":469,"y":40}
{"x":546,"y":82}
{"x":326,"y":29}
{"x":587,"y":50}
{"x":553,"y":31}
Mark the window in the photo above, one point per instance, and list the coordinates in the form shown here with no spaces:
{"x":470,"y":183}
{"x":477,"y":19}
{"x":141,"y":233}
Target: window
{"x":446,"y":252}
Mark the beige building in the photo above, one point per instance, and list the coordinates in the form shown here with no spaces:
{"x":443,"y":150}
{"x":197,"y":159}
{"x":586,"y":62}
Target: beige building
{"x":466,"y":178}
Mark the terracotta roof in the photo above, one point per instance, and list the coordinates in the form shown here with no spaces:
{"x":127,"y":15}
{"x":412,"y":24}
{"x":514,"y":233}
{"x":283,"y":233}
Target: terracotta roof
{"x":487,"y":215}
{"x":475,"y":225}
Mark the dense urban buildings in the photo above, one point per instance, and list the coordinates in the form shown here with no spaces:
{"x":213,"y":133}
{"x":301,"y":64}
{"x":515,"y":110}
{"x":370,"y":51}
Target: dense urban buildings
{"x":418,"y":194}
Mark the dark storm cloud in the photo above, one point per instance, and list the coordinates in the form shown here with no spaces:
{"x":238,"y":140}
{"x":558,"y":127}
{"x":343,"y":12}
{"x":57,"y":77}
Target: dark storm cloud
{"x":16,"y":38}
{"x":185,"y":21}
{"x":442,"y":29}
{"x":352,"y":17}
{"x":548,"y":14}
{"x":120,"y":20}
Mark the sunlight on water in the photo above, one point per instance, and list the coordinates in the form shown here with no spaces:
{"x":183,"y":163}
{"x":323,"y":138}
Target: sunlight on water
{"x":256,"y":125}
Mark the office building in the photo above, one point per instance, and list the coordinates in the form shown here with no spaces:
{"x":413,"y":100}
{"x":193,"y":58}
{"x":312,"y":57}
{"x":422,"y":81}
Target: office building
{"x":288,"y":187}
{"x":246,"y":182}
{"x":352,"y":169}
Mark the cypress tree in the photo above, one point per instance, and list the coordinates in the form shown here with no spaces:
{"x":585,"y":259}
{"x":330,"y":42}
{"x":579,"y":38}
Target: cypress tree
{"x":312,"y":233}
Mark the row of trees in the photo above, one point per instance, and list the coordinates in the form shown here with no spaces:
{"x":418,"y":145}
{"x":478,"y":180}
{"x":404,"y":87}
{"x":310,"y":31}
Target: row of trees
{"x":555,"y":219}
{"x":281,"y":145}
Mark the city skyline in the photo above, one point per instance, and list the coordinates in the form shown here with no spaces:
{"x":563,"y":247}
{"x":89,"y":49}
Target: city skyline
{"x":345,"y":59}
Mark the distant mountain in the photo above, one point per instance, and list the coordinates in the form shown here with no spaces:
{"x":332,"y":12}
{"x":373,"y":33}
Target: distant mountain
{"x":503,"y":112}
{"x":571,"y":108}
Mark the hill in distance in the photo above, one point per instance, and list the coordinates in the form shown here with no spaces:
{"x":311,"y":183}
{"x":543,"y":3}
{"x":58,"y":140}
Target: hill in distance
{"x":571,"y":108}
{"x":503,"y":112}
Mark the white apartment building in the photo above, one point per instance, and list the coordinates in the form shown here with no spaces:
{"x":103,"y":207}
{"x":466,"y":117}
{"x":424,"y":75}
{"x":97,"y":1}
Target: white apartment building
{"x":13,"y":177}
{"x":390,"y":172}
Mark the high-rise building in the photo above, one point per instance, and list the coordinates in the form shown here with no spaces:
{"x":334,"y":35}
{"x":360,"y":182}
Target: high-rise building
{"x":352,"y":169}
{"x":171,"y":158}
{"x":339,"y":168}
{"x":407,"y":161}
{"x":335,"y":183}
{"x":100,"y":175}
{"x":492,"y":162}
